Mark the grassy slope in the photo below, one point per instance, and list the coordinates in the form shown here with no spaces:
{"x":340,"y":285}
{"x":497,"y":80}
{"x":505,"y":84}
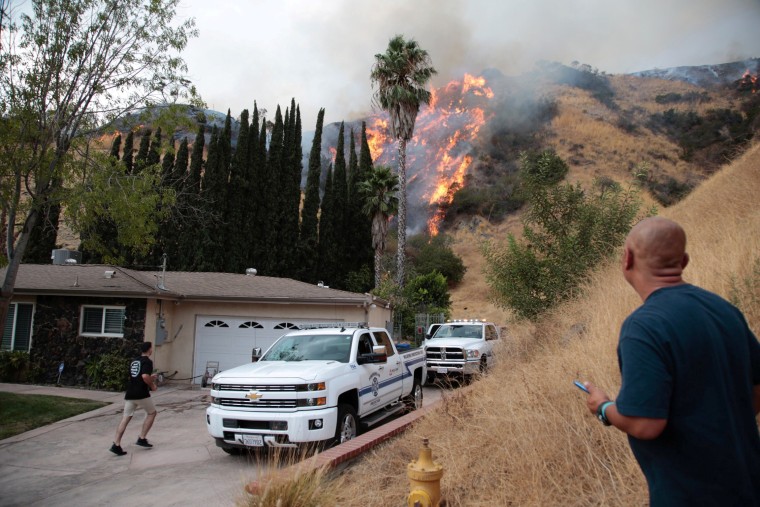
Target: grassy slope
{"x":526,"y":445}
{"x":534,"y":443}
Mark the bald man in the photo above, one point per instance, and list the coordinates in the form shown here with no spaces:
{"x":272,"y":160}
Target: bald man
{"x":690,"y":389}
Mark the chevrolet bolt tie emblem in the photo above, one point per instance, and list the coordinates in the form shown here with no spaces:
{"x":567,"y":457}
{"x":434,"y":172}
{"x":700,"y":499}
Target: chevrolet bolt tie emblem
{"x":254,"y":395}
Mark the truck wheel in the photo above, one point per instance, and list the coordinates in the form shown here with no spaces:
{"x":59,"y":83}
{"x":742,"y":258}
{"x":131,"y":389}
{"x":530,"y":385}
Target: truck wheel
{"x":414,"y":400}
{"x":346,"y":428}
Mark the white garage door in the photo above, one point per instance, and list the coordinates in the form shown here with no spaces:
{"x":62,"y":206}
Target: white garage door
{"x":229,"y":340}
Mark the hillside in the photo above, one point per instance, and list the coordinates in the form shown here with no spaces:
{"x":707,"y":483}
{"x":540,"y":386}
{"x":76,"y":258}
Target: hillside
{"x":526,"y":445}
{"x":602,"y":142}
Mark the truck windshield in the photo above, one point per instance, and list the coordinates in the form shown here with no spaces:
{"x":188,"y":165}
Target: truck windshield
{"x":310,"y":348}
{"x":459,"y":331}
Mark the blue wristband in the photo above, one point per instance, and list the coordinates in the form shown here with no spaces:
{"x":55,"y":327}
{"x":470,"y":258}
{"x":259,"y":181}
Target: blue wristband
{"x":601,"y":412}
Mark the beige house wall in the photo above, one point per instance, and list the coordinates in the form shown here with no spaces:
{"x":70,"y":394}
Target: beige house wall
{"x":176,"y":353}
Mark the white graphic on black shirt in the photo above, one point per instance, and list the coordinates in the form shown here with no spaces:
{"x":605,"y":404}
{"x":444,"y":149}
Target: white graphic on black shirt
{"x":134,"y":368}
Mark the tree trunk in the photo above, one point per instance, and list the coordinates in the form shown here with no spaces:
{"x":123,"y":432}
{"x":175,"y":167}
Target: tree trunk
{"x":14,"y":261}
{"x":378,"y":268}
{"x":401,"y":252}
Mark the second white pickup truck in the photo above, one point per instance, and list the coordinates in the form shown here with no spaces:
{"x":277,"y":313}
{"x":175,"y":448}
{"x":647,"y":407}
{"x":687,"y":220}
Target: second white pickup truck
{"x":460,"y":347}
{"x":314,"y":385}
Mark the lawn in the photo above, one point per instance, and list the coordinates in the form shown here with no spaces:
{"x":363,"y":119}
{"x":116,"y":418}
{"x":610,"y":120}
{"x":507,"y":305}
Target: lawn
{"x":24,"y":412}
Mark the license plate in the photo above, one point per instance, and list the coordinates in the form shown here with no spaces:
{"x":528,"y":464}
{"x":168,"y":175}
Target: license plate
{"x":443,"y":370}
{"x":253,"y":440}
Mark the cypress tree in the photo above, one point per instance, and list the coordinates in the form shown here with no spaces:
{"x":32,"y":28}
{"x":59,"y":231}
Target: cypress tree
{"x":154,"y":157}
{"x":327,"y":266}
{"x":249,"y":228}
{"x":196,"y":161}
{"x":115,"y":147}
{"x":308,"y":235}
{"x":177,"y":222}
{"x":340,"y":194}
{"x":274,"y":201}
{"x":291,"y":194}
{"x":208,"y":231}
{"x":141,"y":159}
{"x":358,"y":223}
{"x":260,"y":191}
{"x":235,"y":251}
{"x":128,"y":157}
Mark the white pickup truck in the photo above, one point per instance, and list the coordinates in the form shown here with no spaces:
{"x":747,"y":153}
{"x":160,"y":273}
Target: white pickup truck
{"x":460,"y":347}
{"x":314,"y":385}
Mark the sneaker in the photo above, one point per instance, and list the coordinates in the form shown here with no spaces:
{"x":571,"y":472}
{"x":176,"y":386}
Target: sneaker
{"x":117,"y":450}
{"x":143,"y":442}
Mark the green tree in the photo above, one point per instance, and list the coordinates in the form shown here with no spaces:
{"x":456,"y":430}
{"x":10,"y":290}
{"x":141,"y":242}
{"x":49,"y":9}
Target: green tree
{"x":434,"y":253}
{"x":401,"y":74}
{"x":141,"y":158}
{"x":309,"y":233}
{"x":338,"y":218}
{"x":238,"y":194}
{"x":567,"y":231}
{"x":380,"y":202}
{"x":129,"y":148}
{"x":76,"y":65}
{"x":326,"y":265}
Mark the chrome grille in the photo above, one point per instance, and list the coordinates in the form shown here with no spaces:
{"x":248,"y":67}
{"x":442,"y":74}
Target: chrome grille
{"x":257,"y":387}
{"x":246,"y":403}
{"x":445,"y":354}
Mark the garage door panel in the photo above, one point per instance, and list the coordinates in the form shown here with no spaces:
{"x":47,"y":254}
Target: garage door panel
{"x":230,"y":340}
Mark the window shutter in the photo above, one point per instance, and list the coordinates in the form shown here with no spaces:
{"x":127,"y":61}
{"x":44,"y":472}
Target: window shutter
{"x":92,"y":320}
{"x":23,"y":327}
{"x":8,"y":331}
{"x":114,"y":323}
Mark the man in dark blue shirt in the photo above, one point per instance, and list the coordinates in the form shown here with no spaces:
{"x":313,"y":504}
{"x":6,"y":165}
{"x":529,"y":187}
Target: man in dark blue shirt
{"x":690,"y":388}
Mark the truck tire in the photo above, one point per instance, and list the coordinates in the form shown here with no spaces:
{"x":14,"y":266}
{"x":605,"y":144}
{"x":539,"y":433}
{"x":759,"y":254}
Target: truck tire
{"x":233,"y":451}
{"x":414,"y":400}
{"x":346,"y":428}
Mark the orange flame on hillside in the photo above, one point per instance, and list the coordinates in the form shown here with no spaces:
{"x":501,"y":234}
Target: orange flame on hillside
{"x":439,"y":154}
{"x":748,"y":82}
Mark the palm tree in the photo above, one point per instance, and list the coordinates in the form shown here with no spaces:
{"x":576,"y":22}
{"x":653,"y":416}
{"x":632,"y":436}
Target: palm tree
{"x":401,"y":74}
{"x":378,"y":192}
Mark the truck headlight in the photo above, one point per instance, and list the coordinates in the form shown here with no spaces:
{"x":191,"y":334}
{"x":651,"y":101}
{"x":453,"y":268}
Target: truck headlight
{"x":215,"y":386}
{"x":316,"y":386}
{"x":472,"y":354}
{"x":312,"y":402}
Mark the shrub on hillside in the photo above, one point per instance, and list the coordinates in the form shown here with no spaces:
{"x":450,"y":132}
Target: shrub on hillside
{"x":567,"y":232}
{"x":493,"y":201}
{"x":428,"y":254}
{"x":722,"y":130}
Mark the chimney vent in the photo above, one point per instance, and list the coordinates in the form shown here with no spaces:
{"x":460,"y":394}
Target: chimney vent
{"x":250,"y":272}
{"x":61,"y":256}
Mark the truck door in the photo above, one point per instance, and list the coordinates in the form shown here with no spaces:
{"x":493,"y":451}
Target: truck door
{"x":371,"y":375}
{"x":392,"y":372}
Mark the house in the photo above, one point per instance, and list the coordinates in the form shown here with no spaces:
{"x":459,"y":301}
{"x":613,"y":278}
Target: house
{"x":73,"y":313}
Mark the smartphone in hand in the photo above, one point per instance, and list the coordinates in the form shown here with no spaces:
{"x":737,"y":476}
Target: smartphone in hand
{"x":580,"y":386}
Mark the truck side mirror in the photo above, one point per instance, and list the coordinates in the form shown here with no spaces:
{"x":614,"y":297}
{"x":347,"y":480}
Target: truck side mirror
{"x":255,"y":354}
{"x":378,"y":356}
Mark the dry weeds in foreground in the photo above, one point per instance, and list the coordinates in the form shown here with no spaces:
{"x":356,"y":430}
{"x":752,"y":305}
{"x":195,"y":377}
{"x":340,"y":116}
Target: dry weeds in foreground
{"x":522,"y":435}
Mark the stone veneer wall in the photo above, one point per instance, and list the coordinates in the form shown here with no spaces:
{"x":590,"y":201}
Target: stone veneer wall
{"x":56,"y":339}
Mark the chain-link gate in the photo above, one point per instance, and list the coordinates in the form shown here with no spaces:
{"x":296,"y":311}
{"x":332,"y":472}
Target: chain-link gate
{"x":421,"y":322}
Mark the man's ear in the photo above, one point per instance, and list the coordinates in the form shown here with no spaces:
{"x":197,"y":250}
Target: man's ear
{"x":685,"y":260}
{"x":627,"y":259}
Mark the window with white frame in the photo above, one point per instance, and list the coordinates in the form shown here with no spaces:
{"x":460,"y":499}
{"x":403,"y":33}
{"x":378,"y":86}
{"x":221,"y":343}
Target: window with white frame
{"x":17,"y":334}
{"x":102,"y":321}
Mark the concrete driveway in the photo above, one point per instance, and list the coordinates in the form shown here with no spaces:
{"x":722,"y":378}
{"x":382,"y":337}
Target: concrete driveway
{"x":68,"y":462}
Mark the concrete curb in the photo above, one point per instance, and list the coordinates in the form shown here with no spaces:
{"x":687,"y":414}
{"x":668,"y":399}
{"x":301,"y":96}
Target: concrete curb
{"x":344,"y":453}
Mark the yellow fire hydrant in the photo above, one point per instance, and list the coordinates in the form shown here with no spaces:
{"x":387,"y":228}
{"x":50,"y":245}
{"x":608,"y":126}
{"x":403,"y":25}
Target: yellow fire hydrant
{"x":425,"y":479}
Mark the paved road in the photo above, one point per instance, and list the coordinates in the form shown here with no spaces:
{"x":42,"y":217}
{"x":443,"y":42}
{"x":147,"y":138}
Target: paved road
{"x":68,"y":463}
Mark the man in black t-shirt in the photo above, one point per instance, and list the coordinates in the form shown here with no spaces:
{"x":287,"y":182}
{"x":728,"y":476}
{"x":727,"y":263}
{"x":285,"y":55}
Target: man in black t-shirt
{"x":141,"y":382}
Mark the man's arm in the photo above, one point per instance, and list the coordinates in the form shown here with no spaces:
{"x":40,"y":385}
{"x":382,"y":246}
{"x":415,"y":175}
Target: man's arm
{"x":150,"y":381}
{"x":643,"y":428}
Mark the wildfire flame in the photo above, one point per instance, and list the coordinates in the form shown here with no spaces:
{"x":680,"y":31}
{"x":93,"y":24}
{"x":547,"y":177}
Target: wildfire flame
{"x":439,"y":154}
{"x":748,"y":82}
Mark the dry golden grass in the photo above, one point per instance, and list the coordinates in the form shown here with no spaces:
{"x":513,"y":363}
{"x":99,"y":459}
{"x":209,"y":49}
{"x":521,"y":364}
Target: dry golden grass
{"x":522,"y":435}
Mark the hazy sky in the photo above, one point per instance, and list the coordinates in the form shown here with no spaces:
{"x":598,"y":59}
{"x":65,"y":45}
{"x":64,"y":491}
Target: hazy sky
{"x":321,"y":51}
